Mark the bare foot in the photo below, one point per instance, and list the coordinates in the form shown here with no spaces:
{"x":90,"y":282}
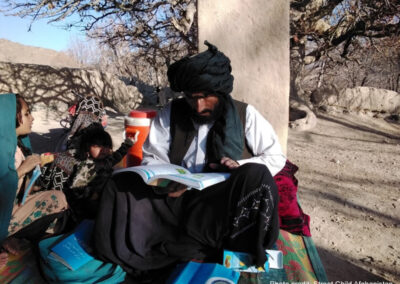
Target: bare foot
{"x":15,"y":246}
{"x":3,"y":259}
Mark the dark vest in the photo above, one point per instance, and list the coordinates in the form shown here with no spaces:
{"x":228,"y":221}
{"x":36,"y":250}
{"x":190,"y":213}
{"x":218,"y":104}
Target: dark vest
{"x":183,"y":132}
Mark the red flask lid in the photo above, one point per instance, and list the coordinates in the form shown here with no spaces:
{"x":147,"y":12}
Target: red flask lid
{"x":143,"y":113}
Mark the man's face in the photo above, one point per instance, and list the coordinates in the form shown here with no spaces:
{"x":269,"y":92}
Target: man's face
{"x":205,"y":107}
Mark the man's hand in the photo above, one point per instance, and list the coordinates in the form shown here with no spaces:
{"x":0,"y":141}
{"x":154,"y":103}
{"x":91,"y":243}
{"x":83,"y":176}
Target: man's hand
{"x":177,"y":193}
{"x":176,"y":189}
{"x":225,"y":162}
{"x":173,"y":189}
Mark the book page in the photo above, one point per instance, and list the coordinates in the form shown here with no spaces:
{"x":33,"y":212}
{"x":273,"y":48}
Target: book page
{"x":149,"y":172}
{"x":158,"y":175}
{"x":199,"y":180}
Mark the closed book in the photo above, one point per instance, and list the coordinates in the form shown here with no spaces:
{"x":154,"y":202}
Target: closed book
{"x":74,"y":250}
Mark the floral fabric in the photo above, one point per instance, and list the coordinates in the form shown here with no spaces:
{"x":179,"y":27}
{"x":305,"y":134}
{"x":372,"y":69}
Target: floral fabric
{"x":296,"y":260}
{"x":37,"y":205}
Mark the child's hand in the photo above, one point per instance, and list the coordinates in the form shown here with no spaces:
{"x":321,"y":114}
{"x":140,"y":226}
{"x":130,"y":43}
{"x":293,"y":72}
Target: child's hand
{"x":133,"y":138}
{"x":28,"y":164}
{"x":35,"y":188}
{"x":46,"y":158}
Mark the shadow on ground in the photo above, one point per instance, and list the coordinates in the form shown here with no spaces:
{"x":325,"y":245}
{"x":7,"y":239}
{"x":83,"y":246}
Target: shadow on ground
{"x":46,"y":142}
{"x":339,"y":269}
{"x":358,"y":127}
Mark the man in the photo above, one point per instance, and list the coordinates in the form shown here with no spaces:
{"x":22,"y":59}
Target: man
{"x":204,"y":131}
{"x":207,"y":99}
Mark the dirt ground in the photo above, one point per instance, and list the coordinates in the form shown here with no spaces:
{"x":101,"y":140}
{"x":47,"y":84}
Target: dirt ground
{"x":349,"y":183}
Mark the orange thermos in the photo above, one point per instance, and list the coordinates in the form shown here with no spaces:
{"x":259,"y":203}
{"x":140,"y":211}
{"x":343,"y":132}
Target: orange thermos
{"x":138,"y":120}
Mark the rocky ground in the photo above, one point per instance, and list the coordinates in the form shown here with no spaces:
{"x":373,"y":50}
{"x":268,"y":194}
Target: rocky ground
{"x":349,"y":183}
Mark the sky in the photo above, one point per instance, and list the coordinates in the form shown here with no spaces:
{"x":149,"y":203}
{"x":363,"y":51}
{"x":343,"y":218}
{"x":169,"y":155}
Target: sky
{"x":42,"y":34}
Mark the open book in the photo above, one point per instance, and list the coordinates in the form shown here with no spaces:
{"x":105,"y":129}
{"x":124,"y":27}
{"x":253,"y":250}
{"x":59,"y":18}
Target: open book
{"x":74,"y":250}
{"x":161,"y":175}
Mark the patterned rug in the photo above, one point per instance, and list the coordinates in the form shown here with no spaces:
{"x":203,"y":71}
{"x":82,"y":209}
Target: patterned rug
{"x":301,"y":263}
{"x":22,"y":269}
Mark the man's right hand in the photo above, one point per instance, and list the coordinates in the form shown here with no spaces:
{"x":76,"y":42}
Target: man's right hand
{"x":173,"y":189}
{"x":176,"y":189}
{"x":177,"y":193}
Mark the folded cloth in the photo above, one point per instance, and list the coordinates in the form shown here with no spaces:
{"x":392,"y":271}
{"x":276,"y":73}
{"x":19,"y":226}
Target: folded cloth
{"x":291,"y":216}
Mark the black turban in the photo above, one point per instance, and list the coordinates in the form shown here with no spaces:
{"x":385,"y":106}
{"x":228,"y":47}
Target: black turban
{"x":208,"y":71}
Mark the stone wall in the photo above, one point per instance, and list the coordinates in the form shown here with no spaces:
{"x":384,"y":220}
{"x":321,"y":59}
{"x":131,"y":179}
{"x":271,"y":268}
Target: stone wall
{"x":364,"y":99}
{"x":255,"y":36}
{"x":52,"y":86}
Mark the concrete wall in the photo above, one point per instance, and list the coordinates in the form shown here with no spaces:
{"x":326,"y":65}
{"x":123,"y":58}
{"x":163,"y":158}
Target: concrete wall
{"x":255,"y":36}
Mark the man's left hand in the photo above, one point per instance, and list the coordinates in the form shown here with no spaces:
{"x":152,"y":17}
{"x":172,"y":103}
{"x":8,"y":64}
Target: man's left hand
{"x":229,"y":163}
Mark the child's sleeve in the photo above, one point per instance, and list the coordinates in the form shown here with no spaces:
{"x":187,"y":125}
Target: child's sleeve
{"x":117,"y":156}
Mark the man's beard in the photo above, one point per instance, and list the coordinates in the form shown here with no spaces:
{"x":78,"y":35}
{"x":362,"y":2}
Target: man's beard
{"x":205,"y":119}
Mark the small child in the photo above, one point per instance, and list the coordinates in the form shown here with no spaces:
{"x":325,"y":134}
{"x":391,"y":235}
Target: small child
{"x":95,"y":169}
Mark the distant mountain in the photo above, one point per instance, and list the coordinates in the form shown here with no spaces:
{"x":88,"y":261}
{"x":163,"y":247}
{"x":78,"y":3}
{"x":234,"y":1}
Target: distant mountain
{"x":18,"y":53}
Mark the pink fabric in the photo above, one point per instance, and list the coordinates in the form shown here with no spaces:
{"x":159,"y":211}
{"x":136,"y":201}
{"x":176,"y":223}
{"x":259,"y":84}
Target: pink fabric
{"x":19,"y":158}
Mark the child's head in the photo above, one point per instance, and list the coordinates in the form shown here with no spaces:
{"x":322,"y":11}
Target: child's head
{"x":23,"y":117}
{"x":96,"y":142}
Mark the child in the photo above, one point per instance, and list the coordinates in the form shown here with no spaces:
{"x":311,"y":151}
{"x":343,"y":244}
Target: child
{"x":94,"y":170}
{"x":37,"y":204}
{"x":17,"y":164}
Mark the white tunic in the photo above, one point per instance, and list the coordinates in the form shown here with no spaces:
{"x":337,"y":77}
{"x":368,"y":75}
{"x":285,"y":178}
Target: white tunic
{"x":260,"y":137}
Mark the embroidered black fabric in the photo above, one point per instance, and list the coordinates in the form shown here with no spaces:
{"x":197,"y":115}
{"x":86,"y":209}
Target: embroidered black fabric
{"x":142,"y":230}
